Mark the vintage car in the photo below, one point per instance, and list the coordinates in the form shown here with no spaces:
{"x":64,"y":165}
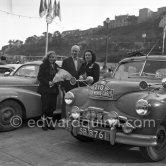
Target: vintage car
{"x":18,"y":96}
{"x":7,"y":68}
{"x":127,"y":108}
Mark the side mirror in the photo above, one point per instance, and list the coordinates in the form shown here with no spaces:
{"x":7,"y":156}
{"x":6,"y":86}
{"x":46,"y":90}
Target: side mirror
{"x":73,"y":81}
{"x":7,"y":73}
{"x":163,"y":82}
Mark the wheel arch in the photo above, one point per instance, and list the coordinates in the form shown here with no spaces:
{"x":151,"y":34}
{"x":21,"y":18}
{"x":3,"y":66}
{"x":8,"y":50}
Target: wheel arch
{"x":163,"y":122}
{"x":19,"y":102}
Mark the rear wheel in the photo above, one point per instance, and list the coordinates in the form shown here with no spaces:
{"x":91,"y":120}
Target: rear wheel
{"x":10,"y":115}
{"x":158,"y":152}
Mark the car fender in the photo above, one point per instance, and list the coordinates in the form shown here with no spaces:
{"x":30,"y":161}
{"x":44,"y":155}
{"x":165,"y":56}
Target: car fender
{"x":81,"y":95}
{"x":29,"y":99}
{"x":127,"y":103}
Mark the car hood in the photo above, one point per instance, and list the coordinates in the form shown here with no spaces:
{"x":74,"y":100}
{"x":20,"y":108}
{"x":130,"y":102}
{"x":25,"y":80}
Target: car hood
{"x":15,"y":80}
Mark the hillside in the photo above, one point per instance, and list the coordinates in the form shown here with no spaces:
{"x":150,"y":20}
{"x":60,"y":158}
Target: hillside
{"x":121,"y":41}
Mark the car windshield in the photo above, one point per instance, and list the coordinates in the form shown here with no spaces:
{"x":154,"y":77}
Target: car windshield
{"x":27,"y":71}
{"x":155,"y":69}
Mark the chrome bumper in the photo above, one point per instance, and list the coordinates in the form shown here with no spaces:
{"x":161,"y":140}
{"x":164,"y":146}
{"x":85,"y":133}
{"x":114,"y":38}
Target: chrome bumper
{"x":120,"y":137}
{"x":136,"y":139}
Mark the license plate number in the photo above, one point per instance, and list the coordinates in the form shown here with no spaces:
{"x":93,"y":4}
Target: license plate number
{"x":93,"y":133}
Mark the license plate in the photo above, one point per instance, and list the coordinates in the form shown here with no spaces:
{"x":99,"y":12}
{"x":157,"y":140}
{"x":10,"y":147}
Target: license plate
{"x":102,"y":135}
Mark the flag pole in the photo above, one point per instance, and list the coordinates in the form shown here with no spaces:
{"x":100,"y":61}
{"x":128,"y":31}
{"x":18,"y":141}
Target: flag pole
{"x":46,"y":8}
{"x":163,"y":39}
{"x":46,"y":49}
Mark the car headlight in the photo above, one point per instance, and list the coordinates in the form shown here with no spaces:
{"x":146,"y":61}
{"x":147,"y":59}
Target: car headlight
{"x":69,"y":98}
{"x":142,"y":107}
{"x":75,"y":112}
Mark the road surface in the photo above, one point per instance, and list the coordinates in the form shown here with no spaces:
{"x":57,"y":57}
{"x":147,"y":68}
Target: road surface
{"x":32,"y":146}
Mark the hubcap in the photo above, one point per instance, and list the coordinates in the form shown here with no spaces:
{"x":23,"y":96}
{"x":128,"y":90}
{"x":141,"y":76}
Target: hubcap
{"x":7,"y":113}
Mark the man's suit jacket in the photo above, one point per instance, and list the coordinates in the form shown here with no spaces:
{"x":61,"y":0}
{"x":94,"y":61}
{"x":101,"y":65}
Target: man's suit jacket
{"x":68,"y":65}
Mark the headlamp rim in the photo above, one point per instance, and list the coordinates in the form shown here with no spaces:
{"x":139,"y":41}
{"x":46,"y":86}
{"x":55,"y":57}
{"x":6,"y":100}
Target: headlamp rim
{"x":72,"y":97}
{"x":147,"y":107}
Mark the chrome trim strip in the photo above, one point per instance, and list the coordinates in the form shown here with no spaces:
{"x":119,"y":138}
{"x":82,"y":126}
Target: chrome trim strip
{"x":136,"y":139}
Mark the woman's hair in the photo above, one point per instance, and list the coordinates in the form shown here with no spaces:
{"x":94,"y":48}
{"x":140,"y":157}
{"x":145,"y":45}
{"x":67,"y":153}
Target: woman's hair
{"x":93,"y":55}
{"x":46,"y":57}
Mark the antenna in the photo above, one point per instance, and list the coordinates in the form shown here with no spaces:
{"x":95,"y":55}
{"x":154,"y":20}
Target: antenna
{"x":148,"y":55}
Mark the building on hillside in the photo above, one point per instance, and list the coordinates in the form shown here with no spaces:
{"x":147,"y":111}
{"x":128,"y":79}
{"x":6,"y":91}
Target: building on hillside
{"x":145,"y":14}
{"x":161,"y":10}
{"x":121,"y":20}
{"x":15,"y":58}
{"x":70,"y":32}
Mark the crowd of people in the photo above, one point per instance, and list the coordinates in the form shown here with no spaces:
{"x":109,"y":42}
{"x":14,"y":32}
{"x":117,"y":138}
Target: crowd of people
{"x":85,"y":69}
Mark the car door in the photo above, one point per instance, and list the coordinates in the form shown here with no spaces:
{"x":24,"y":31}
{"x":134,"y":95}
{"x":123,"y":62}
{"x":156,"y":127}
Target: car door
{"x":28,"y":76}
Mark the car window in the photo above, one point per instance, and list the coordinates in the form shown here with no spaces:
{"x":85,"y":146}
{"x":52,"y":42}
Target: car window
{"x":155,"y":68}
{"x":27,"y":71}
{"x":151,"y":69}
{"x":3,"y":70}
{"x":128,"y":69}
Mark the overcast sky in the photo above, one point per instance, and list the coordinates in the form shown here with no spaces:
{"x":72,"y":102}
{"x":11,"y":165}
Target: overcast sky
{"x":76,"y":14}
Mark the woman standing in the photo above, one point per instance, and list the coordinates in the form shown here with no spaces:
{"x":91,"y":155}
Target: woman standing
{"x":48,"y":89}
{"x":89,"y":70}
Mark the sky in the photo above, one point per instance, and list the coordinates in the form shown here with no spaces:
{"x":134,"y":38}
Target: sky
{"x":75,"y":14}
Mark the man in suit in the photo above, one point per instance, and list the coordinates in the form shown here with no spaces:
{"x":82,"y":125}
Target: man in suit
{"x":71,"y":64}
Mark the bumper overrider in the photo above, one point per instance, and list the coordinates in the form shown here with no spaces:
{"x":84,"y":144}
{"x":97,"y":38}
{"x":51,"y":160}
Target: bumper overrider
{"x":95,"y":123}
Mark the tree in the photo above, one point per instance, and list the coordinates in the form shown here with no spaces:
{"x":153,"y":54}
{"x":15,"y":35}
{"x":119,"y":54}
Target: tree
{"x":31,"y":40}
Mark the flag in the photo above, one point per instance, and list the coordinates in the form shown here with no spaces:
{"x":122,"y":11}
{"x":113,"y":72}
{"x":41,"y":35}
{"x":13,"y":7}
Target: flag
{"x":50,"y":8}
{"x":42,"y":9}
{"x":56,"y":10}
{"x":46,"y":5}
{"x":59,"y":11}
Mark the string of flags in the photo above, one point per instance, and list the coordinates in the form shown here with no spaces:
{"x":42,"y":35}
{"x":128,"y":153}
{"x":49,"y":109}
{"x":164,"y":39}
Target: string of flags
{"x":18,"y":15}
{"x":50,"y":10}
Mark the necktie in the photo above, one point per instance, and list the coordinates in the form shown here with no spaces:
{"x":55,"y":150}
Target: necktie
{"x":75,"y":63}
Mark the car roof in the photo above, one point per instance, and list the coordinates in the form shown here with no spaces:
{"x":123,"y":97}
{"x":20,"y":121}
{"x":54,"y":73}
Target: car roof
{"x":9,"y":66}
{"x":40,"y":62}
{"x":141,"y":58}
{"x":13,"y":66}
{"x":5,"y":66}
{"x":33,"y":62}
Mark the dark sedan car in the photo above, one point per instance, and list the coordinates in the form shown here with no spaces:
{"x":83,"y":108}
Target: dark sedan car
{"x":128,"y":108}
{"x":18,"y":95}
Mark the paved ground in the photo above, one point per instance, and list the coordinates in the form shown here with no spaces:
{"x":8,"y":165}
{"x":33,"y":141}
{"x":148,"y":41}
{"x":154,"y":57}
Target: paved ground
{"x":32,"y":146}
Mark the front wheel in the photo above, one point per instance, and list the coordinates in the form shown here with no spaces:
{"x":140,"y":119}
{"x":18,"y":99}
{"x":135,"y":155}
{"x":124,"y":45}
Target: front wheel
{"x":10,"y":115}
{"x":158,"y":152}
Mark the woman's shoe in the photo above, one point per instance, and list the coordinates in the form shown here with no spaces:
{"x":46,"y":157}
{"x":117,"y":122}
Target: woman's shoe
{"x":45,"y":128}
{"x":51,"y":127}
